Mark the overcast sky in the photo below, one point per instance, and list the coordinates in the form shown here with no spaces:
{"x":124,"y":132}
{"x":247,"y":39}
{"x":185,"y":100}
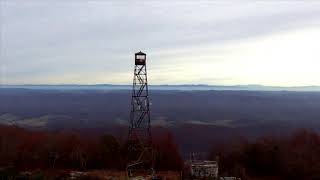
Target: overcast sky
{"x":92,"y":42}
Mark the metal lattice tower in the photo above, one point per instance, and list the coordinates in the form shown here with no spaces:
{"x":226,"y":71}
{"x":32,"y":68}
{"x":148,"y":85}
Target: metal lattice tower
{"x":139,"y":126}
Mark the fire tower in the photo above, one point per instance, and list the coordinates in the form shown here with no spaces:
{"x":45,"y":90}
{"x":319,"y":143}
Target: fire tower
{"x":140,"y":150}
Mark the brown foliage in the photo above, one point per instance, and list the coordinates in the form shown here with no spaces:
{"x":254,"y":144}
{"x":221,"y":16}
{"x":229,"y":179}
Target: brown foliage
{"x":294,"y":157}
{"x":24,"y":149}
{"x":168,"y":156}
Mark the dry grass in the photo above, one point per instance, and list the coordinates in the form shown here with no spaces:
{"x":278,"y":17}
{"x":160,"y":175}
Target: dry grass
{"x":121,"y":175}
{"x":169,"y":175}
{"x":264,"y":178}
{"x":99,"y":174}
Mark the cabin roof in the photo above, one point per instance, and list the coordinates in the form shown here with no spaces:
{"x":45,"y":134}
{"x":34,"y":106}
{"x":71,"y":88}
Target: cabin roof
{"x":140,"y":53}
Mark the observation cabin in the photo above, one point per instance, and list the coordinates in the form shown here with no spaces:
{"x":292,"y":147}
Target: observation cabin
{"x":140,"y":58}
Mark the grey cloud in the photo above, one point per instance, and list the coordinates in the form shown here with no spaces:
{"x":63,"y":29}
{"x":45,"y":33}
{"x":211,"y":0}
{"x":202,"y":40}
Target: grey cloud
{"x":55,"y":37}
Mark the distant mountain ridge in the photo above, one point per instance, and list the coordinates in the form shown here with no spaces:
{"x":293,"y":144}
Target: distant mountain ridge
{"x":198,"y":115}
{"x":182,"y":87}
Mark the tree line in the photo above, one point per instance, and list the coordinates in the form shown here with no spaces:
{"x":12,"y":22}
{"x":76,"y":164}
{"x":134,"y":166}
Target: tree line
{"x":23,"y":149}
{"x":294,"y":157}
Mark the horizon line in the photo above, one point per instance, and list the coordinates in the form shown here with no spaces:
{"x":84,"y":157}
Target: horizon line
{"x":106,"y":84}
